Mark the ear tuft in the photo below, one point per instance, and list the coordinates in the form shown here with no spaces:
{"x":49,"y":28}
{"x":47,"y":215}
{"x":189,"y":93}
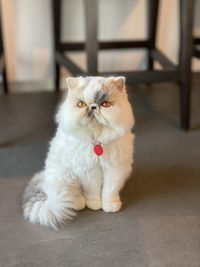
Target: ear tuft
{"x":74,"y":82}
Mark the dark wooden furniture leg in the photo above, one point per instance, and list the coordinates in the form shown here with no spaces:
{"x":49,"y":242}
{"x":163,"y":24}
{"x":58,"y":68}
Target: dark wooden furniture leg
{"x":153,"y":6}
{"x":5,"y":81}
{"x":196,"y":49}
{"x":56,"y":15}
{"x":185,"y":56}
{"x":2,"y":61}
{"x":91,"y":35}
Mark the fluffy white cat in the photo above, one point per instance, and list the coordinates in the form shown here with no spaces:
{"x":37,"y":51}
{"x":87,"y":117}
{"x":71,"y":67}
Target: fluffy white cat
{"x":90,"y":157}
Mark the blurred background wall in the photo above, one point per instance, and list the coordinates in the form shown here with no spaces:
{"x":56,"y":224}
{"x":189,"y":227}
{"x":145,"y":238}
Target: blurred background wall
{"x":28,"y":35}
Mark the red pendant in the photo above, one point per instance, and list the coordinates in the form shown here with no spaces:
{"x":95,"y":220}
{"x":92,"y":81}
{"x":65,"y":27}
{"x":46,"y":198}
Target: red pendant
{"x":98,"y":150}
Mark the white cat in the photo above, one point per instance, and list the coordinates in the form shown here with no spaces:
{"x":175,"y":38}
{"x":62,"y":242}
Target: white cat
{"x":90,"y":157}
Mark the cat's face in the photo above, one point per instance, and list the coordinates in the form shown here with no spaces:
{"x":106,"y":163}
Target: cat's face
{"x":95,"y":104}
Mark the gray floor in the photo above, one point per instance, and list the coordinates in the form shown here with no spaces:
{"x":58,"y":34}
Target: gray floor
{"x":160,"y":221}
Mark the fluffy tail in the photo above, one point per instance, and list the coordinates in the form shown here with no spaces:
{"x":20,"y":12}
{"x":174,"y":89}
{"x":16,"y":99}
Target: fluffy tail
{"x":38,"y":208}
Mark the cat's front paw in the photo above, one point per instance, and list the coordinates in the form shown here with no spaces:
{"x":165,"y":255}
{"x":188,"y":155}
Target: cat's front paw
{"x":79,"y":203}
{"x":111,"y":206}
{"x":93,"y":203}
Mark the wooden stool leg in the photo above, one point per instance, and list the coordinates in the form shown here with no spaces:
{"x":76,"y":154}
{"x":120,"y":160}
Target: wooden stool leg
{"x":185,"y":56}
{"x":196,"y":50}
{"x":57,"y":76}
{"x":56,"y":15}
{"x":2,"y":55}
{"x":153,"y":6}
{"x":91,"y":35}
{"x":5,"y":84}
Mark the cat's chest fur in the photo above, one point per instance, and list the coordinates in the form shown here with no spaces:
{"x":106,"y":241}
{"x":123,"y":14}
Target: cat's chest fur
{"x":79,"y":157}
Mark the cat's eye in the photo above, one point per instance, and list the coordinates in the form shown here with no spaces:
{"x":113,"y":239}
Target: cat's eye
{"x":81,"y":104}
{"x":106,"y":104}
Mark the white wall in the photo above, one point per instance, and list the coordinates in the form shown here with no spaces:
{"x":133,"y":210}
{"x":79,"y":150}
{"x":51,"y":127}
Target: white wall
{"x":28,"y":34}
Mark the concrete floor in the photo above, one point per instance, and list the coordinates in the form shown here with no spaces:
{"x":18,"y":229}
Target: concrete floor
{"x":159,"y":225}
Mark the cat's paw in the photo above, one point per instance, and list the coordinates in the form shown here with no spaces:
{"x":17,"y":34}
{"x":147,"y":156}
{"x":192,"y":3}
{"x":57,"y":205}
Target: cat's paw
{"x":93,"y":204}
{"x":79,"y":203}
{"x":111,"y":206}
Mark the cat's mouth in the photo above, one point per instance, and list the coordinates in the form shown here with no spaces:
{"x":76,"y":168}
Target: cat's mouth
{"x":90,"y":114}
{"x":99,"y":118}
{"x":94,"y":115}
{"x":88,"y":117}
{"x":91,"y":117}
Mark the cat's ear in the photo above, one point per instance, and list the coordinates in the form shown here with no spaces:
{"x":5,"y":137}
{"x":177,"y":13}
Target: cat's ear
{"x":74,"y":82}
{"x":117,"y":82}
{"x":120,"y":82}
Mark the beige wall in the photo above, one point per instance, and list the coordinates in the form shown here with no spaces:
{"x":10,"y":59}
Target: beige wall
{"x":28,"y":38}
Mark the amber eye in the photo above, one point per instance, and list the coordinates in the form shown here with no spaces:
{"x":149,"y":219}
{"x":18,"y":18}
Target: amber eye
{"x":106,"y":104}
{"x":81,"y":104}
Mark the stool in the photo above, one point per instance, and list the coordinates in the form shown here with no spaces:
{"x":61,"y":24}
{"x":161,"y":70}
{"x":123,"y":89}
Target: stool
{"x":180,"y":73}
{"x":2,"y":61}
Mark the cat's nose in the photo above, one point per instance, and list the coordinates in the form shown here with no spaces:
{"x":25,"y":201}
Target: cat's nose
{"x":94,"y":106}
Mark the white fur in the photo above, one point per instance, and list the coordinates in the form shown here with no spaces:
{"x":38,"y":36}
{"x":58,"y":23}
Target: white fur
{"x":74,"y":176}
